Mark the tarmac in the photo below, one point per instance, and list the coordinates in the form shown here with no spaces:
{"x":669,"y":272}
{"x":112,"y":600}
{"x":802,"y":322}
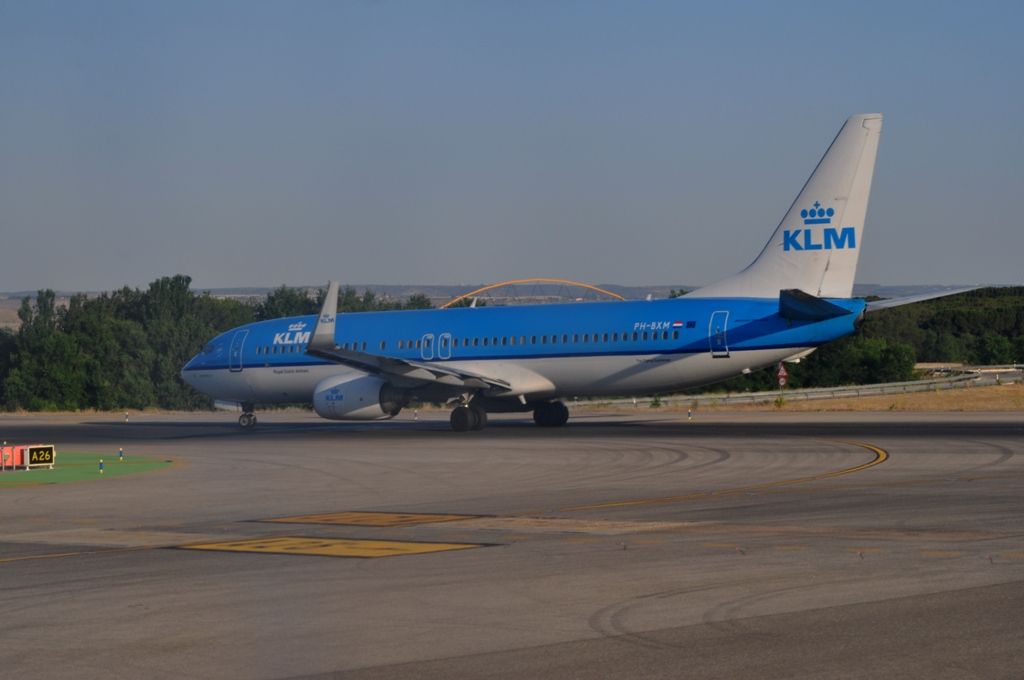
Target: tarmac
{"x":624,"y":545}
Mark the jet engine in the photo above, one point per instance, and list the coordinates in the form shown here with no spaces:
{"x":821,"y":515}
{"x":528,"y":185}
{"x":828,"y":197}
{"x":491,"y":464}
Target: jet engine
{"x":360,"y":397}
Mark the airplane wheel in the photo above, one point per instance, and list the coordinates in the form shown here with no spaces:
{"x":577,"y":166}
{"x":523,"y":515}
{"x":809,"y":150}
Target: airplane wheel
{"x":247,"y":420}
{"x":481,"y":417}
{"x":464,"y":418}
{"x":561,"y":414}
{"x":551,"y":414}
{"x":540,"y":415}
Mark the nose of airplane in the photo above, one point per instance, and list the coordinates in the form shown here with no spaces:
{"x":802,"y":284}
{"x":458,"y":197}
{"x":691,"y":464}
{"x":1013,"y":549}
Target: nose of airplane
{"x":196,"y":371}
{"x":186,"y":372}
{"x":199,"y":361}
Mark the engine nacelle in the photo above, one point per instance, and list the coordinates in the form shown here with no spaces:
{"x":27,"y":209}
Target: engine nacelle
{"x":361,"y":397}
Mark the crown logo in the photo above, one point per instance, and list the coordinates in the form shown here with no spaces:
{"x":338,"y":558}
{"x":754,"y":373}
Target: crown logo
{"x":817,"y":214}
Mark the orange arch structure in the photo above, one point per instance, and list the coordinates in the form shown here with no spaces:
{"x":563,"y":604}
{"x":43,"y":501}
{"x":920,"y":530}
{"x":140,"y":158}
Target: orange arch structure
{"x":516,"y":282}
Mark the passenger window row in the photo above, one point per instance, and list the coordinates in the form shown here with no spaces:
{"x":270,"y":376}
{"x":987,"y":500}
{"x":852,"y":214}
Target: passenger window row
{"x":280,"y":349}
{"x":495,"y":341}
{"x":522,"y":340}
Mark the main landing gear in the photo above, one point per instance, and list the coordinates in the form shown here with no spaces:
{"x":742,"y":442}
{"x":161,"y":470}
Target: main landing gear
{"x":551,"y":414}
{"x":471,"y":416}
{"x":468,"y":417}
{"x":248,"y":418}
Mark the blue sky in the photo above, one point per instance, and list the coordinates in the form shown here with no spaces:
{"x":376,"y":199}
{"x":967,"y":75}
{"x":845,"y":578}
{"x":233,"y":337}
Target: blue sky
{"x":255,"y":143}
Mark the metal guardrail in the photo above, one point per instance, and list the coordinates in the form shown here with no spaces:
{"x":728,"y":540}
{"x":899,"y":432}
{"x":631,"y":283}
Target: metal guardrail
{"x":960,"y":380}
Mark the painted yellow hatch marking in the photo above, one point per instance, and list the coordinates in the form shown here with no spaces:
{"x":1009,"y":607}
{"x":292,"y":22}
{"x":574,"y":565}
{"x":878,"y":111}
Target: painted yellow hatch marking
{"x":881,"y":455}
{"x":372,"y":519}
{"x":330,"y":547}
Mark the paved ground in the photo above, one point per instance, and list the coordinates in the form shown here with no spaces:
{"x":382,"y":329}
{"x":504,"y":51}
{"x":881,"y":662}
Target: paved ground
{"x":638,"y":545}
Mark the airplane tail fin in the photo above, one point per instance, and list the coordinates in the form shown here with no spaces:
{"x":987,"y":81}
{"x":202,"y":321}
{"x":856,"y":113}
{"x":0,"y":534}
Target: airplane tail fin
{"x":815,"y":247}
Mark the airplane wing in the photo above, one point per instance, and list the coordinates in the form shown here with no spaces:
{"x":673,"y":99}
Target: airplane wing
{"x":911,"y":299}
{"x":321,"y":344}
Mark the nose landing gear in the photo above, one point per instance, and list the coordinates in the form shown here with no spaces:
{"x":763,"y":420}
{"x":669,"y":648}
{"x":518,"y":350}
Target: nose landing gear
{"x":248,"y":418}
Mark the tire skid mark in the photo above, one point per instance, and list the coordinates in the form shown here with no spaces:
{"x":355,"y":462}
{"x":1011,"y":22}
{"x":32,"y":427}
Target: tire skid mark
{"x":727,"y":616}
{"x":609,"y":621}
{"x":881,"y":455}
{"x":1005,"y":454}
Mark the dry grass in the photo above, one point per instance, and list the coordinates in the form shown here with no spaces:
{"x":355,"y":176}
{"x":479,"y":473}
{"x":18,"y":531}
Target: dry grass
{"x":9,"y":318}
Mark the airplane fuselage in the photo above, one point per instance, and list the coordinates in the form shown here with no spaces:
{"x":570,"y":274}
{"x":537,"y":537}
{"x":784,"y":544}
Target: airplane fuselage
{"x":550,"y":351}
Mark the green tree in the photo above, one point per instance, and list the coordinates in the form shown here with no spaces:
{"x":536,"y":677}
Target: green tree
{"x":8,"y":344}
{"x":122,"y":349}
{"x":418,"y":301}
{"x":48,"y":373}
{"x":178,"y":322}
{"x":285,"y":301}
{"x":992,"y":349}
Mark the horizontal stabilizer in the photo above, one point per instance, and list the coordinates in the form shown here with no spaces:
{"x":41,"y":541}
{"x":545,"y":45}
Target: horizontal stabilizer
{"x":796,"y":305}
{"x":911,"y":299}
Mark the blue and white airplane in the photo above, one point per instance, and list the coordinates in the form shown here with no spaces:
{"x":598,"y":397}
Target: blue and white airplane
{"x":794,"y":297}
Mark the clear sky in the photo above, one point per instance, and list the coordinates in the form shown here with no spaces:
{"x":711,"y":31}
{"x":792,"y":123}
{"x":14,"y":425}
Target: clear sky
{"x":258,"y":143}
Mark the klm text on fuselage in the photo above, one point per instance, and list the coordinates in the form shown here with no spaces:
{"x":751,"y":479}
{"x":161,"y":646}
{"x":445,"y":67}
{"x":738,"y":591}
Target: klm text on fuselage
{"x":292,"y":338}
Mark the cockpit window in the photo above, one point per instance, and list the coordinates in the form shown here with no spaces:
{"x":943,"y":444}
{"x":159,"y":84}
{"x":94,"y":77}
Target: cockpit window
{"x":208,"y":349}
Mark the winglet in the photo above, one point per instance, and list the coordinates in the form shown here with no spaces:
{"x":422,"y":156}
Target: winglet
{"x":323,"y":333}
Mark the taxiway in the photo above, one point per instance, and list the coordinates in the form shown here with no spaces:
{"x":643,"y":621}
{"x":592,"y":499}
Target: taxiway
{"x":629,"y":545}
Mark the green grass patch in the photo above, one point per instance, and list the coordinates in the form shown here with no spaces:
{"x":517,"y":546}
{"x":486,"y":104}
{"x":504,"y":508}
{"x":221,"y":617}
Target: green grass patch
{"x":75,"y":467}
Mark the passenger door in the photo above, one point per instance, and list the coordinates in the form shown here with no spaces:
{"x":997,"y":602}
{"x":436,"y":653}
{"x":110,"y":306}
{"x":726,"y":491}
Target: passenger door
{"x":444,"y":346}
{"x":235,"y":353}
{"x":427,"y":346}
{"x":717,"y":329}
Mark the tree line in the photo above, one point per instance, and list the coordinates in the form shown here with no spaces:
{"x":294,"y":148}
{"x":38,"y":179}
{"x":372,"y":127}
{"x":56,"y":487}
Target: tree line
{"x":125,"y":349}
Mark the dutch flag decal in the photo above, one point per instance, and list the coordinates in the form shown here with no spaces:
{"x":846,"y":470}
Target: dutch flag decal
{"x":677,"y":324}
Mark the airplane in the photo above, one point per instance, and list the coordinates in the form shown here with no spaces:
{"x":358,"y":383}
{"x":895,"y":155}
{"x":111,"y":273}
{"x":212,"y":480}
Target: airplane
{"x":794,"y":297}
